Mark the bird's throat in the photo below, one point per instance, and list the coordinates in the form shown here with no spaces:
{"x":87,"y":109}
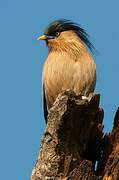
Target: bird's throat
{"x":72,"y":49}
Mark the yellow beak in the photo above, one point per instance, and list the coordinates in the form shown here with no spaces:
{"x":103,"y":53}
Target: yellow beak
{"x":43,"y":37}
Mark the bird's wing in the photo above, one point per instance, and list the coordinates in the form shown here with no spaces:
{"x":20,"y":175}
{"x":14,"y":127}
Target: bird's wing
{"x":45,"y":105}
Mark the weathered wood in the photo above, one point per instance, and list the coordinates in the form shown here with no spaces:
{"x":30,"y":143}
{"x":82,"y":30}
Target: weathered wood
{"x":73,"y":140}
{"x":110,"y":160}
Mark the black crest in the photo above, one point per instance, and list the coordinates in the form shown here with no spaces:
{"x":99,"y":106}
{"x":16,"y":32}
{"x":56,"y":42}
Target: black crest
{"x":65,"y":25}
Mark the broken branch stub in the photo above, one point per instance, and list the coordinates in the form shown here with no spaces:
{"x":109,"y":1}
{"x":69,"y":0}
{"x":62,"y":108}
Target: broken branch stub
{"x":73,"y":135}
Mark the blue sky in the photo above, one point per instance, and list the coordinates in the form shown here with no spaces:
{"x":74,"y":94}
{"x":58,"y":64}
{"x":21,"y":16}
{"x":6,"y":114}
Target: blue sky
{"x":21,"y":60}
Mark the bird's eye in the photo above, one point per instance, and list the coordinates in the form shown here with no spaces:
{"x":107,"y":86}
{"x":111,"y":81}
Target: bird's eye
{"x":57,"y":34}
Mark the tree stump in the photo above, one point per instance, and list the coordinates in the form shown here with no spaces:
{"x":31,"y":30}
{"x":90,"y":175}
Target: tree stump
{"x":109,"y":167}
{"x":73,"y":144}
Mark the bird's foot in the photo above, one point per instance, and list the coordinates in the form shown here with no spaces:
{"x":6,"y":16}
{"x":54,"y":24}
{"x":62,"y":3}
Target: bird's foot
{"x":84,"y":98}
{"x":87,"y":98}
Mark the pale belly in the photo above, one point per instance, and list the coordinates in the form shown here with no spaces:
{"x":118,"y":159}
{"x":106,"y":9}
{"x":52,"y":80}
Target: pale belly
{"x":62,"y":74}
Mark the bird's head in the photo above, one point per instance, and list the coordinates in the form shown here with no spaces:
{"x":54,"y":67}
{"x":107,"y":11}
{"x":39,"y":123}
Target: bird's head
{"x":64,"y":35}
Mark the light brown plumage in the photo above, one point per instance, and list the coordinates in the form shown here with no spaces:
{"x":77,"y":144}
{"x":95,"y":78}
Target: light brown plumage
{"x":68,"y":65}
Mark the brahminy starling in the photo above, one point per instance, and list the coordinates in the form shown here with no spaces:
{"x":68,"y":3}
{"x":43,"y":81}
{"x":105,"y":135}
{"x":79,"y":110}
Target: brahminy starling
{"x":69,"y":64}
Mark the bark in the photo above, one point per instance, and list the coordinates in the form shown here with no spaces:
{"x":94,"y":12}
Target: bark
{"x":74,"y":145}
{"x":109,"y":167}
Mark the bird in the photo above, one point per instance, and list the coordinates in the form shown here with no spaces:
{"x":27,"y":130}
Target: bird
{"x":69,"y":63}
